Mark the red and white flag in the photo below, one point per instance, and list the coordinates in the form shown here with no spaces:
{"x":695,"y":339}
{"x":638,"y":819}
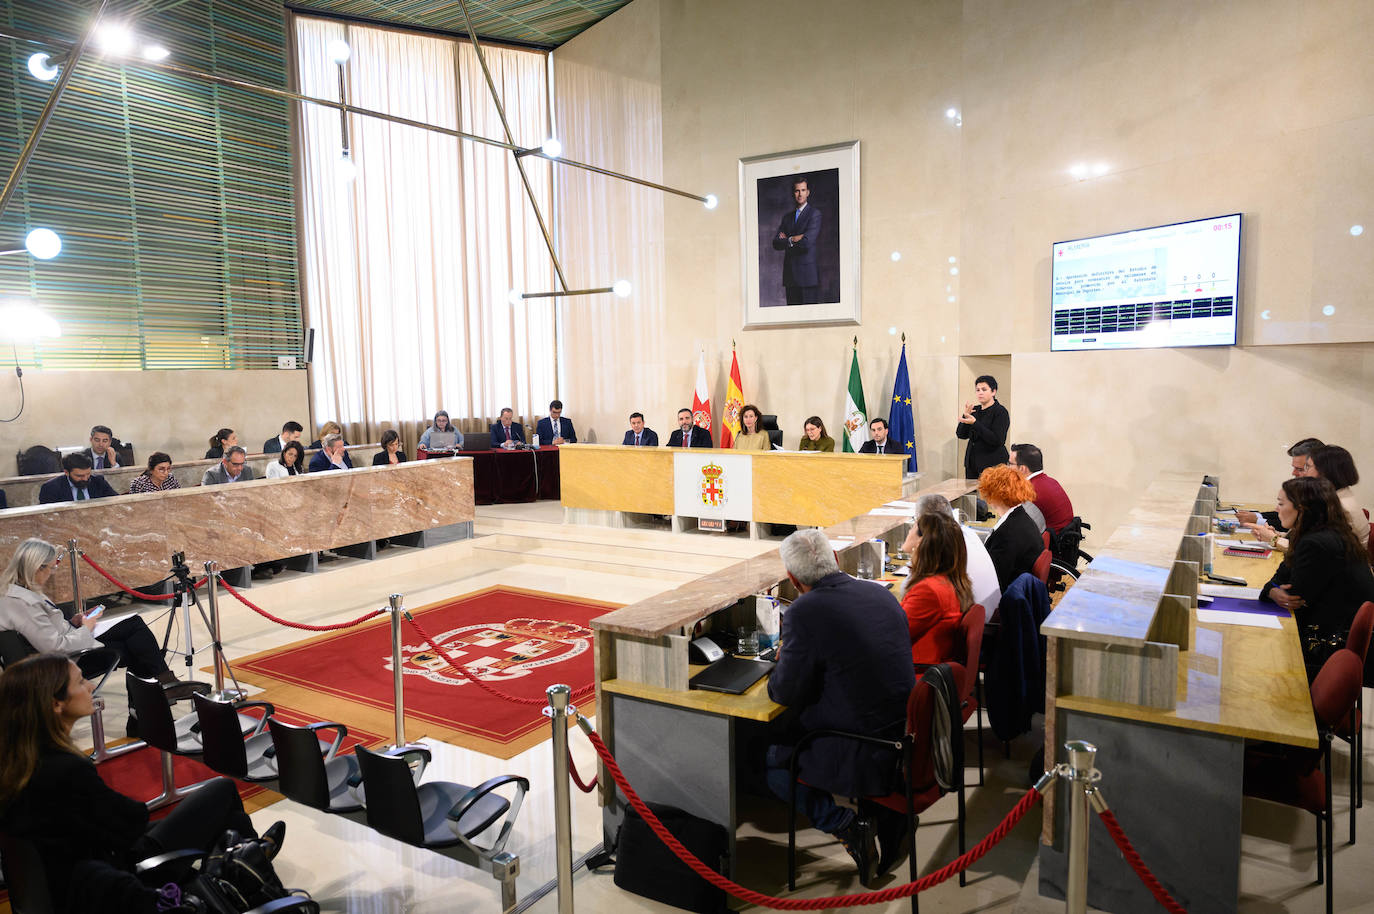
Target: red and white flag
{"x":701,"y":398}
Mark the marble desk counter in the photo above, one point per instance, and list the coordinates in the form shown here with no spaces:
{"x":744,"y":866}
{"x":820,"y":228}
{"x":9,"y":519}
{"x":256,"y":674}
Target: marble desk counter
{"x":244,"y":523}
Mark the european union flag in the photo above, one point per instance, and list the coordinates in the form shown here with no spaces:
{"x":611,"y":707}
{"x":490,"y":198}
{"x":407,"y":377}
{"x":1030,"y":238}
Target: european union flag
{"x":901,"y":427}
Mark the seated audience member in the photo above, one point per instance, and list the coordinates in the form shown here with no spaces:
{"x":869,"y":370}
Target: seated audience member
{"x":219,"y":442}
{"x":101,"y":453}
{"x":937,"y":592}
{"x":751,"y":435}
{"x":688,"y":433}
{"x":76,"y":483}
{"x":329,"y":428}
{"x":878,"y":442}
{"x":1050,"y":496}
{"x":25,"y":609}
{"x":232,"y":467}
{"x":984,"y":427}
{"x":981,"y":572}
{"x":291,"y":462}
{"x":1297,"y":455}
{"x":1325,"y":577}
{"x":1014,"y":543}
{"x":554,"y":429}
{"x":333,"y":456}
{"x":1334,"y":464}
{"x":845,"y":664}
{"x":638,"y":435}
{"x":506,"y":432}
{"x":157,"y":478}
{"x":391,"y":453}
{"x":87,"y":834}
{"x":4,"y":502}
{"x":441,"y":423}
{"x":814,"y":437}
{"x":290,"y":431}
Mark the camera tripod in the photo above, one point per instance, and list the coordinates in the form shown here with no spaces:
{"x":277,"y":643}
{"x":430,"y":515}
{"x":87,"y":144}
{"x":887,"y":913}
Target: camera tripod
{"x":185,"y":591}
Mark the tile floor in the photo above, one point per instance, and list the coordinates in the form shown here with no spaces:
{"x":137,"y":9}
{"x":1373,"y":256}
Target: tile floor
{"x":348,"y":868}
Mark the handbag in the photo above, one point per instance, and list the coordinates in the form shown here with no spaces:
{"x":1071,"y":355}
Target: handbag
{"x":237,"y":876}
{"x":644,"y":864}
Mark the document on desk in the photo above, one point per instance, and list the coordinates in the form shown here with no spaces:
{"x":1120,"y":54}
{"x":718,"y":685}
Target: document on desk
{"x":840,"y":543}
{"x":1223,"y":617}
{"x":1227,"y":590}
{"x":885,"y":511}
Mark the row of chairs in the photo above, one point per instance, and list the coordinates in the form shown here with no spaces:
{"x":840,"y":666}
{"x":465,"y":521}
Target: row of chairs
{"x":382,"y":789}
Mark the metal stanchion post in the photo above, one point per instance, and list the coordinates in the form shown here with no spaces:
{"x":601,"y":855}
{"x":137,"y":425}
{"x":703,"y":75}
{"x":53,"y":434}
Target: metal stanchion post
{"x":78,"y":605}
{"x":397,"y":675}
{"x":212,"y":594}
{"x":1081,"y":775}
{"x":558,"y":710}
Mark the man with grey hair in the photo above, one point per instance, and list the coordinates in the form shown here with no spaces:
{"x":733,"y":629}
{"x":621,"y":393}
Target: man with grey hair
{"x":232,"y":467}
{"x":332,"y":455}
{"x":981,"y":572}
{"x":1298,"y":456}
{"x":844,"y":664}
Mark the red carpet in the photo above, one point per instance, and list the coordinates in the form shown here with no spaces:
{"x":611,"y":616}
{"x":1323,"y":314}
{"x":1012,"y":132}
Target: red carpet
{"x":519,"y":641}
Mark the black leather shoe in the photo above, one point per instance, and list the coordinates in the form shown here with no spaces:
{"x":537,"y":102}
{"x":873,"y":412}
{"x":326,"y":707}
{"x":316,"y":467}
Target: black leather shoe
{"x":273,"y":837}
{"x":858,"y":839}
{"x":894,"y":841}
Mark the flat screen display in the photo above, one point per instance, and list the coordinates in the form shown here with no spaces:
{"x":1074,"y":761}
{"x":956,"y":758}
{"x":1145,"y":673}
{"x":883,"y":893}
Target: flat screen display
{"x":1153,"y":288}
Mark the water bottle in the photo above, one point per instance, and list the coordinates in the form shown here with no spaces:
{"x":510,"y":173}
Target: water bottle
{"x":534,"y":440}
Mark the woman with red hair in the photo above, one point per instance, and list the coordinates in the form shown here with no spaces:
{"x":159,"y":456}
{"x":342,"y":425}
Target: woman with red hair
{"x":1015,"y":542}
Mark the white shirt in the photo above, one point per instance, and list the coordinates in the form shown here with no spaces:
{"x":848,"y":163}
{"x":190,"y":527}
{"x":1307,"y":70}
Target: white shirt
{"x":981,"y":572}
{"x":275,"y":470}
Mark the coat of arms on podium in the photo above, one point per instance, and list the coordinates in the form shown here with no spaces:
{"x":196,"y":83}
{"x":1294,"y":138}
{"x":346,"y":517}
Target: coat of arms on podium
{"x":713,"y":485}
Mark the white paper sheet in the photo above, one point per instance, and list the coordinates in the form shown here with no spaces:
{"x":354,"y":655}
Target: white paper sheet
{"x":1221,"y":617}
{"x":891,"y":512}
{"x":1226,"y":590}
{"x":841,"y":542}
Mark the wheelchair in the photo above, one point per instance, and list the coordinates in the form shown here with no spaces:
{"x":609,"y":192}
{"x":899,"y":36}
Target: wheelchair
{"x":1066,"y":551}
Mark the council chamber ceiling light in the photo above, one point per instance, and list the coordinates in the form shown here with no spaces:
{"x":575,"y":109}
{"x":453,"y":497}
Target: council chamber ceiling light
{"x":115,"y":39}
{"x":711,"y":201}
{"x":338,"y":50}
{"x":45,"y":244}
{"x":514,"y":297}
{"x":896,"y":256}
{"x":1329,"y":310}
{"x":1357,"y":230}
{"x":346,"y":168}
{"x":21,"y":320}
{"x":1079,"y":171}
{"x":42,"y":68}
{"x":621,"y":288}
{"x":551,"y":148}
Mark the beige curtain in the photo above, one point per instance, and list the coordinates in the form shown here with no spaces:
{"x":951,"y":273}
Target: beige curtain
{"x":406,"y":269}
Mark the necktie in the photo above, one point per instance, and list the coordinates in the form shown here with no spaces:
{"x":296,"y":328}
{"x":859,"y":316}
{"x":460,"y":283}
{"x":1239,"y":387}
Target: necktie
{"x":507,"y":432}
{"x":636,"y":439}
{"x":82,"y":494}
{"x":687,"y":437}
{"x":796,"y":217}
{"x":100,"y":463}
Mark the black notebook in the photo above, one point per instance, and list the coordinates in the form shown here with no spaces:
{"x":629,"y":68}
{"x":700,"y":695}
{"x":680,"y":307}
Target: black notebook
{"x":731,"y":674}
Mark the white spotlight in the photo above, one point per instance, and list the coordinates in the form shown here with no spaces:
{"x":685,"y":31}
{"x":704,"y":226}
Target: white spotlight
{"x":1264,"y":315}
{"x":346,"y":169}
{"x":1101,"y":168}
{"x":513,"y":297}
{"x":41,"y":67}
{"x":155,"y":53}
{"x":1079,"y":171}
{"x":338,"y":50}
{"x":953,"y":271}
{"x":711,"y":202}
{"x":896,"y":256}
{"x":115,"y":39}
{"x":1357,"y":230}
{"x":43,"y":243}
{"x":951,"y":113}
{"x":20,"y":320}
{"x":621,"y":287}
{"x":891,"y":331}
{"x":551,"y":148}
{"x":1329,"y":310}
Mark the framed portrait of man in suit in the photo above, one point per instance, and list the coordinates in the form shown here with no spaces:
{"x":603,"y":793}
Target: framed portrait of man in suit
{"x":799,"y":236}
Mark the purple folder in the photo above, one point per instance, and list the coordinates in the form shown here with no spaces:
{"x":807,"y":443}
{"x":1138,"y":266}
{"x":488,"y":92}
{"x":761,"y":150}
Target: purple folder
{"x":1237,"y":605}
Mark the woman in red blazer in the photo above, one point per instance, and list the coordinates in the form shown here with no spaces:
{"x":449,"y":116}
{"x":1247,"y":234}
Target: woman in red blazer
{"x":938,"y":590}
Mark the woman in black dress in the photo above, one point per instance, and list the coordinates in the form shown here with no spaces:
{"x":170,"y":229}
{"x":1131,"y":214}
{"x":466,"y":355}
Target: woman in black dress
{"x":984,"y":426}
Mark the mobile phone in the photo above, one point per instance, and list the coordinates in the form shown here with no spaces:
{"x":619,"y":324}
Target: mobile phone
{"x":95,"y":611}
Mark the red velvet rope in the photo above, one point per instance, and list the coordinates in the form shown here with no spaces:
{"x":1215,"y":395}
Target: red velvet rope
{"x":486,"y":687}
{"x":1030,"y":798}
{"x":133,"y":593}
{"x":1129,"y":852}
{"x":577,"y":778}
{"x":301,"y":625}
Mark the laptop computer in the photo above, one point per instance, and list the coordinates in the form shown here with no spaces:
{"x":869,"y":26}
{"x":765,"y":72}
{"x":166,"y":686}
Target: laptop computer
{"x":732,"y":675}
{"x":442,"y":441}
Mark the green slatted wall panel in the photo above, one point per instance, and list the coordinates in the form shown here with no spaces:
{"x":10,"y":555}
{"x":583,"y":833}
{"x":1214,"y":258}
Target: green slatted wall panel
{"x":173,"y":196}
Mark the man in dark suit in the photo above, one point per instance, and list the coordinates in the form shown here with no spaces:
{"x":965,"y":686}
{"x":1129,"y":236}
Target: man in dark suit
{"x":76,"y":483}
{"x":638,"y":435}
{"x":291,"y":431}
{"x":332,"y":455}
{"x":696,"y":436}
{"x":554,"y":429}
{"x":878,"y":442}
{"x":845,"y":664}
{"x":798,"y":234}
{"x":101,"y":453}
{"x":507,"y":433}
{"x":232,"y":467}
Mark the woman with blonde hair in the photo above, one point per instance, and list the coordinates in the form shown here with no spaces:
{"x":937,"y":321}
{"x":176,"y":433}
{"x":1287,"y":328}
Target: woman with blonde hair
{"x":1015,"y":542}
{"x":937,"y":592}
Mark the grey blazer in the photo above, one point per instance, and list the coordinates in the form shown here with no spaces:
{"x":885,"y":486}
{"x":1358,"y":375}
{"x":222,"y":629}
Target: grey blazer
{"x":216,"y":476}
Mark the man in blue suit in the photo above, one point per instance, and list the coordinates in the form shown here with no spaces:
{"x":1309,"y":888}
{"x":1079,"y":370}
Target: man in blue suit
{"x":332,"y":455}
{"x":554,"y":429}
{"x":638,"y":435}
{"x":76,"y":483}
{"x":798,"y":234}
{"x":507,"y":433}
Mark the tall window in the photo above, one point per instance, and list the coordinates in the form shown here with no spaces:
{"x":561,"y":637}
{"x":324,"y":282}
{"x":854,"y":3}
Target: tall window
{"x":407,"y":267}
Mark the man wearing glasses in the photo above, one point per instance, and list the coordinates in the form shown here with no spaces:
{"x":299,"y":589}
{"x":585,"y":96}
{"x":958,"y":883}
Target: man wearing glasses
{"x":231,"y":468}
{"x":76,"y":482}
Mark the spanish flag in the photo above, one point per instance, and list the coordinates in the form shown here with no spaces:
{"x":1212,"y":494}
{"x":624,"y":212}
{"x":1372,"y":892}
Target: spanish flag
{"x":734,"y":402}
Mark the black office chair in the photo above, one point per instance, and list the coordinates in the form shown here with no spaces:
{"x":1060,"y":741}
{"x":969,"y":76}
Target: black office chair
{"x":328,"y":781}
{"x":224,"y":747}
{"x":769,"y":424}
{"x":168,"y":735}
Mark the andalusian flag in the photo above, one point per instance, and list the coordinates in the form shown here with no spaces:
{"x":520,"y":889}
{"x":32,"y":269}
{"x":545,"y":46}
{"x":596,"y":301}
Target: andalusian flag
{"x":701,"y":398}
{"x":900,"y":426}
{"x":734,"y":402}
{"x":855,"y":412}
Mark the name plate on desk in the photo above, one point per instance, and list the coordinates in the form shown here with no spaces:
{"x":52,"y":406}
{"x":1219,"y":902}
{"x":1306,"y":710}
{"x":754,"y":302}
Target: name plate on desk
{"x":709,"y":484}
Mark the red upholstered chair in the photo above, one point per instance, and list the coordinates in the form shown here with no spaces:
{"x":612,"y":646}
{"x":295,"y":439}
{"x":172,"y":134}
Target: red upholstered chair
{"x":1352,"y":731}
{"x":966,"y":674}
{"x":1041,"y":568}
{"x":1303,"y":778}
